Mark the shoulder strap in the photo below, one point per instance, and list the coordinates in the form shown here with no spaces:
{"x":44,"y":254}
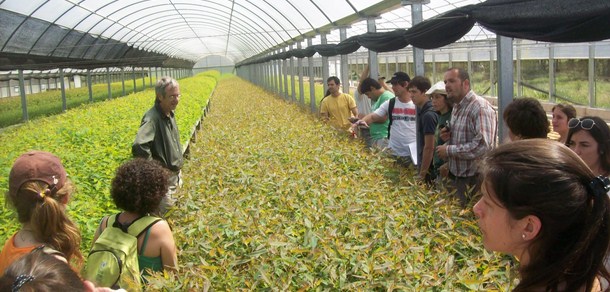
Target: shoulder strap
{"x":110,"y":220}
{"x":144,"y":242}
{"x":390,"y":109}
{"x":142,"y":224}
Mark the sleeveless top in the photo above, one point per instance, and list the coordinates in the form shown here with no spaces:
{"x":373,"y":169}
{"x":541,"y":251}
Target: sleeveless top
{"x":153,"y":263}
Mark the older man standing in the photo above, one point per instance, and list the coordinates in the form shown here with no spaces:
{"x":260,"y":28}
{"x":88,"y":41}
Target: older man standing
{"x":158,"y":137}
{"x":470,"y":135}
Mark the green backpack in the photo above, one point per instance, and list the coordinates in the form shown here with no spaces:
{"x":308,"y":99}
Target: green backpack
{"x":113,"y":259}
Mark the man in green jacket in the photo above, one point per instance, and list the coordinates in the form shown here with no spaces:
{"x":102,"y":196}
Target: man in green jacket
{"x":158,"y":137}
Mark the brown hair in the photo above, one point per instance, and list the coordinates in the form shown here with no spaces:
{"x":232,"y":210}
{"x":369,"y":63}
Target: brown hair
{"x":45,"y":211}
{"x":43,"y":272}
{"x":567,"y":109}
{"x":139,"y":186}
{"x":526,"y":118}
{"x":544,"y":178}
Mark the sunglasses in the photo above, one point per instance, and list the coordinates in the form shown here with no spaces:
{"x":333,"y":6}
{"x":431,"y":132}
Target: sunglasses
{"x":586,"y":124}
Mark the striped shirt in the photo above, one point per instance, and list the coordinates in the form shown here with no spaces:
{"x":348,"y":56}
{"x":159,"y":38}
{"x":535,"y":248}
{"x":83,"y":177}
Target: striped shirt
{"x":473,"y":133}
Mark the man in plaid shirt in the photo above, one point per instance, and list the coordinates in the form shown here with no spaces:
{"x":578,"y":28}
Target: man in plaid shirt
{"x":470,"y":135}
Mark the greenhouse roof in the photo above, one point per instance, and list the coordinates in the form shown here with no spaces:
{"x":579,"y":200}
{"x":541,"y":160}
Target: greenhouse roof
{"x":46,"y":34}
{"x":39,"y":34}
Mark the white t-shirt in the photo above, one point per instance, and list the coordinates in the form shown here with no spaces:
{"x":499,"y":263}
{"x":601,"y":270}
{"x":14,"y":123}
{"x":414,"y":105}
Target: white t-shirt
{"x":402,"y":132}
{"x":363,"y":103}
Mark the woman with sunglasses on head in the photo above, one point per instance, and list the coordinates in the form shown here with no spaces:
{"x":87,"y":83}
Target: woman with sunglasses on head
{"x":541,"y":204}
{"x":589,"y":137}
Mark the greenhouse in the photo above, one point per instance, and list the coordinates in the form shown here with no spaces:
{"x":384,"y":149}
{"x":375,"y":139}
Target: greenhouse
{"x":272,"y":197}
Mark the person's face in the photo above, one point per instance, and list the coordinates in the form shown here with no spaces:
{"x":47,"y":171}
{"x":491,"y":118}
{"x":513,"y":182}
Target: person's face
{"x":398,"y":89}
{"x":455,"y":87}
{"x":559,"y":121}
{"x":333,"y":87}
{"x":438,"y":103}
{"x":369,"y":94}
{"x":419,"y":98}
{"x":497,"y":227}
{"x":169,"y":101}
{"x":585,"y":146}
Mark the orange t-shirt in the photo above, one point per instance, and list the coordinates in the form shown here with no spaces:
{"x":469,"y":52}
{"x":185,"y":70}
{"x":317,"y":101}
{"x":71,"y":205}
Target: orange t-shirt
{"x":10,"y":253}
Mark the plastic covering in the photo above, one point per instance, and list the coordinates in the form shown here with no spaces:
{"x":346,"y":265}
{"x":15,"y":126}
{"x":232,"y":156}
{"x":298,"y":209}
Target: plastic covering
{"x":44,"y":34}
{"x":541,"y":20}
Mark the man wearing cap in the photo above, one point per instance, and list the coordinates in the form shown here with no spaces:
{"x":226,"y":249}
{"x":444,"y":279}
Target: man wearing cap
{"x":158,"y":137}
{"x":427,"y":120}
{"x":401,"y":113}
{"x":471,"y":134}
{"x":377,"y":94}
{"x":338,"y":107}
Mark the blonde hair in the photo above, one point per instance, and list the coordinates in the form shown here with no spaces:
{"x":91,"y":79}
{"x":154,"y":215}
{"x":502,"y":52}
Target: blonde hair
{"x":45,"y":212}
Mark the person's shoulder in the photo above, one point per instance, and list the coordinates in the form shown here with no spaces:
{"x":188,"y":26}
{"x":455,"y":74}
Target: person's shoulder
{"x":160,"y":228}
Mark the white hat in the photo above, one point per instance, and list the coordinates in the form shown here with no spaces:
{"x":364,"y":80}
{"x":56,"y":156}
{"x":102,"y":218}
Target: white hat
{"x":438,"y":87}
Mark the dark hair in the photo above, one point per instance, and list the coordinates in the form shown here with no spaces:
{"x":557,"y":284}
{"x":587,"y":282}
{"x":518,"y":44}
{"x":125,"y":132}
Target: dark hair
{"x":545,"y":179}
{"x":334,"y":78}
{"x":39,"y":271}
{"x":139,"y":185}
{"x":567,"y":109}
{"x":526,"y":118}
{"x":421,"y":83}
{"x":367,"y":83}
{"x":601,"y":133}
{"x":462,"y":74}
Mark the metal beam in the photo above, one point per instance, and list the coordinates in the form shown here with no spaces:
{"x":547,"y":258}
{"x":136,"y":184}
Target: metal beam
{"x":505,"y":80}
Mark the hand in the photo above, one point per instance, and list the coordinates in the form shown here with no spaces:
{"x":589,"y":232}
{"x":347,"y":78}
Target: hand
{"x":444,"y":170}
{"x":445,"y":134}
{"x":441,"y":150}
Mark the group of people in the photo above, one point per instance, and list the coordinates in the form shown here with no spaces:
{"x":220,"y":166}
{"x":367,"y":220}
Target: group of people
{"x":442,"y":129}
{"x":44,"y":254}
{"x":545,"y":202}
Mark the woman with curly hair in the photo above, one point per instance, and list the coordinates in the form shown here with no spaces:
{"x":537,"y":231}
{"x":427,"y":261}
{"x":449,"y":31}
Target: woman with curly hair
{"x":137,"y":189}
{"x":542,"y":204}
{"x":39,"y":191}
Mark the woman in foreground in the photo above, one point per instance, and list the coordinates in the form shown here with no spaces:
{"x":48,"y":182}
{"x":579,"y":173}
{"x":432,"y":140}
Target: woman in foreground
{"x":542,"y":204}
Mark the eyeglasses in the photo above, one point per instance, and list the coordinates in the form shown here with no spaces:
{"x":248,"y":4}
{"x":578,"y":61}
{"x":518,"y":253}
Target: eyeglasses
{"x":586,"y":124}
{"x":175,"y":96}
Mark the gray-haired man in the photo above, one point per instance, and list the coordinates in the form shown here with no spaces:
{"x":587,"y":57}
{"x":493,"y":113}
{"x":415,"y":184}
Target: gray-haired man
{"x":158,"y":137}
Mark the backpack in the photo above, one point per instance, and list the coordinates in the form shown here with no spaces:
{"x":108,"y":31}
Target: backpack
{"x":113,"y":259}
{"x":390,"y":109}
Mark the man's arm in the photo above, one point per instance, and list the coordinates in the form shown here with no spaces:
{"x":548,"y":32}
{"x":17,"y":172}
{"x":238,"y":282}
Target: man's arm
{"x":427,"y":154}
{"x":144,"y":138}
{"x":485,"y":124}
{"x":324,"y":112}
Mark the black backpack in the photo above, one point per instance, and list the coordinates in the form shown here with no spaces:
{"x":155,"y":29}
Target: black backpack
{"x":390,"y":109}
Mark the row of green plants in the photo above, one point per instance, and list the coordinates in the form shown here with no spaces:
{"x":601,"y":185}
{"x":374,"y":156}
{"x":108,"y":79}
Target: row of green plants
{"x":274,"y":199}
{"x":92,"y":141}
{"x":50,"y":103}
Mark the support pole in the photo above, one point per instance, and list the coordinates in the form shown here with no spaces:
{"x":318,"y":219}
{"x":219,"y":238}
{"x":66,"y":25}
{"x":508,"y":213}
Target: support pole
{"x":344,"y":66}
{"x":505,"y":81}
{"x":312,"y":85}
{"x":373,"y":62}
{"x":24,"y":106}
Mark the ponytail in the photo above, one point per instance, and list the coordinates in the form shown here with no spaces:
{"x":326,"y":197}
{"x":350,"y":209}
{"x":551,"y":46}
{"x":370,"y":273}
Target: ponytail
{"x":48,"y":219}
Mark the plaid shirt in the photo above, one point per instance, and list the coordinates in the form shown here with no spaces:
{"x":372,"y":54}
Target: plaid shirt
{"x":473,"y":133}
